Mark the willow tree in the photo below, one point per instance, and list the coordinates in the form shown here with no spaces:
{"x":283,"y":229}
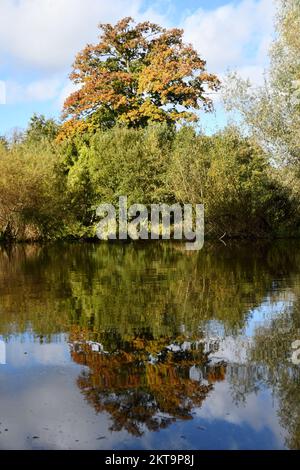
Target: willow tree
{"x":136,"y":74}
{"x":272,"y":111}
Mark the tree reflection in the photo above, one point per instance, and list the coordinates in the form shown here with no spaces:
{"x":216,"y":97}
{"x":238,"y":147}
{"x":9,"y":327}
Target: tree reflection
{"x":137,"y":300}
{"x":269,"y":364}
{"x":149,"y":383}
{"x":157,"y":286}
{"x":283,"y":376}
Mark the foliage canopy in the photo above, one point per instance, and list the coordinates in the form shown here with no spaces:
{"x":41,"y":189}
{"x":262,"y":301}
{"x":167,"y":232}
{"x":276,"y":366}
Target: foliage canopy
{"x":136,"y":74}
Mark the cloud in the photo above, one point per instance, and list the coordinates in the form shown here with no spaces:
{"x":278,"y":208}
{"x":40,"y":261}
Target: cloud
{"x":235,"y":36}
{"x":2,"y":92}
{"x":43,"y":36}
{"x":40,"y":38}
{"x":48,"y":33}
{"x":260,"y":410}
{"x":37,"y":91}
{"x":65,"y":92}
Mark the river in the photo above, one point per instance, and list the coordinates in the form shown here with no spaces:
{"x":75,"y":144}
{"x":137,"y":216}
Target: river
{"x":148,"y":346}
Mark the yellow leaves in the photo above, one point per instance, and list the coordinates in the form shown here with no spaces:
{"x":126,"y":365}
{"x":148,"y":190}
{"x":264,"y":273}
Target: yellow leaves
{"x":72,"y":128}
{"x":154,"y":113}
{"x":138,"y":73}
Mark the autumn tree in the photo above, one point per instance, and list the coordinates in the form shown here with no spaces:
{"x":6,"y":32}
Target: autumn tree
{"x":136,"y":74}
{"x":144,"y":384}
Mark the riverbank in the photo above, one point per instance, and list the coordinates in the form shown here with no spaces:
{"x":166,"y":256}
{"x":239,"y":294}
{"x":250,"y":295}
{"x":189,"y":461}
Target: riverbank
{"x":51,"y":190}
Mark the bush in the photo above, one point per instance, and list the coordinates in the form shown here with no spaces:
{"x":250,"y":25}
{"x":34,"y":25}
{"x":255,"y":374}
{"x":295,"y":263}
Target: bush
{"x":31,"y":194}
{"x":50,"y":190}
{"x":231,"y":176}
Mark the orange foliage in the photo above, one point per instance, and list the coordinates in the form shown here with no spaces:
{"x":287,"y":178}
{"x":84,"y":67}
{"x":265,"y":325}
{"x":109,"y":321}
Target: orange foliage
{"x":143,"y":380}
{"x":137,"y":73}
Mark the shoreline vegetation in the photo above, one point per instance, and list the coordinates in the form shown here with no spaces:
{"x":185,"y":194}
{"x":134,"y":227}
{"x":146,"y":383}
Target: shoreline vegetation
{"x":50,"y":191}
{"x":131,"y":130}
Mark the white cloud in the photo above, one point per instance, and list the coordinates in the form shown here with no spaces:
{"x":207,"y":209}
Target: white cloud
{"x":235,"y":36}
{"x":65,"y":92}
{"x":45,"y":35}
{"x":255,"y":73}
{"x":2,"y":92}
{"x":48,"y":33}
{"x":39,"y":90}
{"x":259,"y":412}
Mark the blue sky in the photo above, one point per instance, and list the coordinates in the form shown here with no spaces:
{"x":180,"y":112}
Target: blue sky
{"x":39,"y":39}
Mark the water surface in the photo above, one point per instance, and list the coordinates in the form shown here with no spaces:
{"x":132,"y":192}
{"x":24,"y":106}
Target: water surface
{"x":147,"y":346}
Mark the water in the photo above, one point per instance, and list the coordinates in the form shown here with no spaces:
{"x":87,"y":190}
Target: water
{"x":147,"y":346}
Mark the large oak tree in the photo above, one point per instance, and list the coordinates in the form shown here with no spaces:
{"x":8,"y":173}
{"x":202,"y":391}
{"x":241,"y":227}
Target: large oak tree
{"x":136,"y":74}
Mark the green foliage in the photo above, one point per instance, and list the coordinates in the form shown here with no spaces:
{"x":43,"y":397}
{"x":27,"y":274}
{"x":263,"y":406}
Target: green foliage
{"x":272,"y":112}
{"x":231,"y":176}
{"x":3,"y":142}
{"x":131,"y":162}
{"x":40,"y":128}
{"x":31,"y":192}
{"x":51,"y":190}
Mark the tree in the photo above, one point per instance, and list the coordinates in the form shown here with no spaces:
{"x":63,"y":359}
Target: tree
{"x":230,"y":175}
{"x":136,"y":74}
{"x":40,"y":128}
{"x":3,"y":142}
{"x":31,"y":192}
{"x":272,"y":112}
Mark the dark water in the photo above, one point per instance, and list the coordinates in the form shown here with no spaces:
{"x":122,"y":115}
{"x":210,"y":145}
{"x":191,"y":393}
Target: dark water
{"x":150,"y":347}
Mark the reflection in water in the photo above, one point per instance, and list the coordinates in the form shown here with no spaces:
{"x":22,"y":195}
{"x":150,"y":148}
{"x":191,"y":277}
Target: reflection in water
{"x":155,"y":334}
{"x":147,"y":382}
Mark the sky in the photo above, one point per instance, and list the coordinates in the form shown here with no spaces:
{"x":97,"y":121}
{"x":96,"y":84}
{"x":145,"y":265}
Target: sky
{"x":40,"y":38}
